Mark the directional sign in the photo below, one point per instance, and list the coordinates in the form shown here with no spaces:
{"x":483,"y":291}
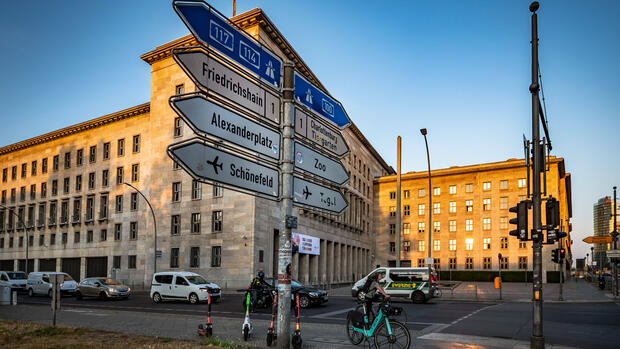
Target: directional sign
{"x":208,"y":118}
{"x":213,"y":30}
{"x":205,"y":162}
{"x":319,"y":102}
{"x":613,"y":253}
{"x":308,"y":193}
{"x":214,"y":76}
{"x":597,"y":240}
{"x":319,"y":133}
{"x":317,"y":164}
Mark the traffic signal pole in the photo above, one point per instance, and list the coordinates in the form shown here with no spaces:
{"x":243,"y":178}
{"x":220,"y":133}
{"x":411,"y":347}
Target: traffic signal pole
{"x":537,"y":340}
{"x":614,"y":234}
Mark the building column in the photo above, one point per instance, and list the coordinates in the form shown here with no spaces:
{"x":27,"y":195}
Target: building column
{"x":314,"y":270}
{"x":35,"y":267}
{"x":330,"y":262}
{"x":347,"y":262}
{"x":16,"y":265}
{"x":354,"y":264}
{"x":337,"y":262}
{"x":82,"y":268}
{"x":343,"y":261}
{"x":322,"y":275}
{"x":58,"y":264}
{"x":305,"y":271}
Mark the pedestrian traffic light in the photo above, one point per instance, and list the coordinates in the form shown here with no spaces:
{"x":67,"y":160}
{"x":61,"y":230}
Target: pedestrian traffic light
{"x":555,"y":256}
{"x":562,"y":253}
{"x":520,"y":221}
{"x":552,"y":208}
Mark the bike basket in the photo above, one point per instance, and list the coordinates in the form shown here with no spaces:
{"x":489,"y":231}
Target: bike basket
{"x":357,"y":318}
{"x":395,"y":311}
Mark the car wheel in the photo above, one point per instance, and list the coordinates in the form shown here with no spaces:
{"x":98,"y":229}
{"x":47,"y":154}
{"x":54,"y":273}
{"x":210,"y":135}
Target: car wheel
{"x":418,"y":297}
{"x":156,"y":298}
{"x":304,"y":301}
{"x":78,"y":295}
{"x":193,"y":298}
{"x":103,"y":296}
{"x":30,"y":293}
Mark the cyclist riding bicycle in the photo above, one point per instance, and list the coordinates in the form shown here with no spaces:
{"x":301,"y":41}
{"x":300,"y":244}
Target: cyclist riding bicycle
{"x":370,"y":291}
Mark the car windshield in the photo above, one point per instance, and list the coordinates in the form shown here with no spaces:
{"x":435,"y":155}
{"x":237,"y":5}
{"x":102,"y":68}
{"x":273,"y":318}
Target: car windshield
{"x":68,"y":278}
{"x":196,"y":279}
{"x":108,"y":281}
{"x":17,"y":276}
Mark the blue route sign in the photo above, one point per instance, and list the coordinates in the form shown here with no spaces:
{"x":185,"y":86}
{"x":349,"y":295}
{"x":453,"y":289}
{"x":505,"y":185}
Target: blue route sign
{"x":213,"y":30}
{"x":327,"y":107}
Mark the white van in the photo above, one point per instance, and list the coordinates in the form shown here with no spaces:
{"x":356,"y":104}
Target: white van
{"x":39,"y":283}
{"x":183,"y":285}
{"x":412,"y":283}
{"x":16,"y":280}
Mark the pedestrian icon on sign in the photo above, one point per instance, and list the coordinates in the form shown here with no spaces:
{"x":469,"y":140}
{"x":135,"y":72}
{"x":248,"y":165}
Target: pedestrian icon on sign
{"x":270,"y":71}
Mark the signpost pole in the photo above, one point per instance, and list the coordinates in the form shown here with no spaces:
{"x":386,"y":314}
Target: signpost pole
{"x":286,"y":209}
{"x":398,"y":217}
{"x":614,"y":234}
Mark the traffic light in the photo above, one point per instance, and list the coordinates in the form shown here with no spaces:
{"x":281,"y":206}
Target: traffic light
{"x":562,"y":253}
{"x":555,"y":256}
{"x":520,"y":221}
{"x":552,"y":208}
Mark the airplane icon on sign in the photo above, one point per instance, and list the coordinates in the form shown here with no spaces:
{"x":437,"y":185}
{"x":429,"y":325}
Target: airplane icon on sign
{"x":215,"y":164}
{"x":306,"y":192}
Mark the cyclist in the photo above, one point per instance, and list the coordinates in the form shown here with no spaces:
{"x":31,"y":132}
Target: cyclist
{"x":370,"y":289}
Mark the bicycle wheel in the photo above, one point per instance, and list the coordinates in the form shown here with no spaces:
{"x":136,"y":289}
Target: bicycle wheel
{"x":400,"y":337}
{"x":354,"y":336}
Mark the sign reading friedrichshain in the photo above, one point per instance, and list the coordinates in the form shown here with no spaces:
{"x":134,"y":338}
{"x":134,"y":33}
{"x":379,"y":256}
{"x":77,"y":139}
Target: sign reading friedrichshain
{"x":213,"y":76}
{"x":207,"y":118}
{"x":205,"y":162}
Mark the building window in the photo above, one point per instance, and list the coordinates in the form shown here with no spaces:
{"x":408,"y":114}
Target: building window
{"x":452,"y":226}
{"x":120,"y":147}
{"x":503,"y":203}
{"x":133,"y":231}
{"x":64,"y":212}
{"x":216,"y":256}
{"x":33,"y":168}
{"x":392,"y":229}
{"x":106,"y":151}
{"x":92,"y":154}
{"x":522,"y":262}
{"x":522,"y":244}
{"x":469,"y":244}
{"x":469,"y":205}
{"x":486,"y":224}
{"x":522,"y":182}
{"x":91,"y":181}
{"x":118,"y":231}
{"x":41,"y":240}
{"x":469,"y":225}
{"x":453,"y":189}
{"x":178,"y":127}
{"x":486,"y":263}
{"x":24,"y":170}
{"x":5,"y":175}
{"x":392,"y":195}
{"x":14,"y":172}
{"x":421,"y":227}
{"x":103,"y":235}
{"x":65,"y":185}
{"x":406,"y":194}
{"x":176,"y":191}
{"x":43,"y":190}
{"x":76,"y":237}
{"x":116,"y":262}
{"x":103,"y":207}
{"x":105,"y":176}
{"x":79,"y":157}
{"x":392,"y":211}
{"x":53,"y":239}
{"x":135,"y":172}
{"x":452,"y":245}
{"x":78,"y":182}
{"x":452,"y":263}
{"x":469,"y":187}
{"x":133,"y":202}
{"x":90,"y":208}
{"x":44,"y":165}
{"x":486,"y":243}
{"x":261,"y":256}
{"x":521,"y":198}
{"x":503,"y":243}
{"x":406,"y":228}
{"x":452,"y":207}
{"x":195,"y":223}
{"x":196,"y":190}
{"x":119,"y":175}
{"x":392,"y":247}
{"x":469,"y":263}
{"x":436,"y":191}
{"x":194,"y":257}
{"x":503,"y":222}
{"x":406,"y":246}
{"x":33,"y":191}
{"x":89,"y":236}
{"x":216,"y":224}
{"x":436,"y":208}
{"x":77,"y":208}
{"x":131,"y":262}
{"x":217,"y":190}
{"x":178,"y":89}
{"x":421,"y":208}
{"x":486,"y":186}
{"x":175,"y":225}
{"x":135,"y":144}
{"x":436,"y":245}
{"x":421,"y":246}
{"x":503,"y":184}
{"x":421,"y":193}
{"x":436,"y":227}
{"x":486,"y":204}
{"x":421,"y":263}
{"x":406,"y":210}
{"x":504,"y":263}
{"x":119,"y":203}
{"x":437,"y":263}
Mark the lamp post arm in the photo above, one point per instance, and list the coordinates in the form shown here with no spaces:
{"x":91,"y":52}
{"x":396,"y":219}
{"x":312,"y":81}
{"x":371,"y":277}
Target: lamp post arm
{"x":154,"y":225}
{"x":20,"y":220}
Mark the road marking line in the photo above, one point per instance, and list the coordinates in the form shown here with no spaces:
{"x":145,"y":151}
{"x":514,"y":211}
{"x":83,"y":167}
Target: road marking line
{"x":324,"y":315}
{"x":483,"y":341}
{"x":435,"y":329}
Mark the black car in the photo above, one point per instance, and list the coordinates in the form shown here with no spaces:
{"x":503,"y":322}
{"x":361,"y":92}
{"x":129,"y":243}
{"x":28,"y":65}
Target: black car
{"x":307,"y":296}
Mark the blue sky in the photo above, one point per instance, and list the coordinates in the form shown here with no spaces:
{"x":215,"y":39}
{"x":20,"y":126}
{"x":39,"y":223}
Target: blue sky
{"x":459,"y":68}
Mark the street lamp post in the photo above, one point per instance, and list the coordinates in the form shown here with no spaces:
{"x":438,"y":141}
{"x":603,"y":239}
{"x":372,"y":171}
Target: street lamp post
{"x":614,"y":234}
{"x":592,"y":257}
{"x":20,"y":220}
{"x":154,"y":226}
{"x":423,"y":131}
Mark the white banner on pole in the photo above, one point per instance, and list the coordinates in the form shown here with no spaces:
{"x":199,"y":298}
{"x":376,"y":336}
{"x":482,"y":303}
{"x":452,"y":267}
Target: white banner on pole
{"x":306,"y":244}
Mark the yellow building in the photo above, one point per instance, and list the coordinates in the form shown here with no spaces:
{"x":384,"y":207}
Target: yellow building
{"x":469,"y":214}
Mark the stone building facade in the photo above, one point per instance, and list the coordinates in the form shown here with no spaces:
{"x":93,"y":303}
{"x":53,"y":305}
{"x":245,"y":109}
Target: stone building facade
{"x":470,"y":216}
{"x":79,"y":216}
{"x":603,"y":224}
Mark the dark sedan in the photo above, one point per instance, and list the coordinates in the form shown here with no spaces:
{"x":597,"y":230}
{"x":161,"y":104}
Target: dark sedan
{"x":307,"y":296}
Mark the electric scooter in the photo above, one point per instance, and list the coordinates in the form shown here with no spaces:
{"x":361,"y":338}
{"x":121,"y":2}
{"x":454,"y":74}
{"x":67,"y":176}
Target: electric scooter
{"x":207,"y":329}
{"x":296,"y":340}
{"x":271,"y":331}
{"x":246,"y":329}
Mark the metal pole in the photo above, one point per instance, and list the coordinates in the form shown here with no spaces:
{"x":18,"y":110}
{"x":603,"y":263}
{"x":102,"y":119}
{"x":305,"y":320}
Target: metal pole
{"x":430,"y":200}
{"x":154,"y":226}
{"x":19,"y":221}
{"x":286,"y":209}
{"x":561,"y":296}
{"x":537,"y":340}
{"x":614,"y":235}
{"x":398,"y":216}
{"x":500,"y":279}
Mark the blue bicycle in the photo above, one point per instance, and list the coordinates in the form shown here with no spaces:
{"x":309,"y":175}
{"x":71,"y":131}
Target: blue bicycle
{"x":387,"y":333}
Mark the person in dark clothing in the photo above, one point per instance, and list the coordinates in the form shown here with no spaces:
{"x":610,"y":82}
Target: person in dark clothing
{"x":258,"y":283}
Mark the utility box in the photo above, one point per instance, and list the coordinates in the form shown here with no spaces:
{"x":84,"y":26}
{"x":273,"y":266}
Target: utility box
{"x":5,"y":295}
{"x":498,"y":282}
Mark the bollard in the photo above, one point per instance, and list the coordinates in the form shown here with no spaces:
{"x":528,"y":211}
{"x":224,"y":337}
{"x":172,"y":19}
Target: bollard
{"x":476,"y":290}
{"x":14,"y":298}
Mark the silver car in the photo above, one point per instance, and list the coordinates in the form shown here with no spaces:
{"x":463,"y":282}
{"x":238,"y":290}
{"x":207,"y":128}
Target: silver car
{"x":103,"y":288}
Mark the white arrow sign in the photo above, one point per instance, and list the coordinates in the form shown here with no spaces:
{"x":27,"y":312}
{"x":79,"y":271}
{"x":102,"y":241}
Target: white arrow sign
{"x":317,"y":164}
{"x":327,"y":138}
{"x":311,"y":194}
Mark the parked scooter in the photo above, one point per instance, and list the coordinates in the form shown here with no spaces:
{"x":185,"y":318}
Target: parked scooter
{"x":296,"y":340}
{"x":207,"y":329}
{"x":271,"y":331}
{"x":246,"y":329}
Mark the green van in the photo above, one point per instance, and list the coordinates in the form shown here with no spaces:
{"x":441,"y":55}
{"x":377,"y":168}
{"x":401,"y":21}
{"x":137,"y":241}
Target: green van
{"x":412,"y":283}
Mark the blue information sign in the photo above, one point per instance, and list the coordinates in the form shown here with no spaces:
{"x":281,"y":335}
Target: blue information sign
{"x":213,"y":30}
{"x":310,"y":96}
